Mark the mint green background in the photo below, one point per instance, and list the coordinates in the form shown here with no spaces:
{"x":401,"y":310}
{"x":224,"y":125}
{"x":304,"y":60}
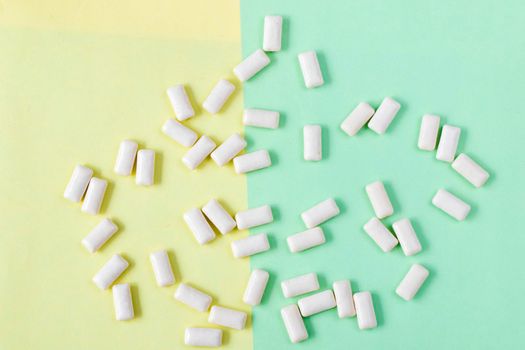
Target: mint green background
{"x":462,"y":60}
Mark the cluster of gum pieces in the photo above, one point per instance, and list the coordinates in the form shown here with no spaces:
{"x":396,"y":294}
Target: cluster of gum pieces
{"x":198,"y":220}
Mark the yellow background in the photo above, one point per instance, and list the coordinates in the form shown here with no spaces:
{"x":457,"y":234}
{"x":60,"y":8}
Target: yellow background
{"x":78,"y":77}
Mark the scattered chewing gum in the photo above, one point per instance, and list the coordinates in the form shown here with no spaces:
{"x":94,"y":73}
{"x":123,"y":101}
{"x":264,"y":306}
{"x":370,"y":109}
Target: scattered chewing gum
{"x":384,"y":115}
{"x":357,"y":119}
{"x":193,"y":297}
{"x":261,"y":118}
{"x":94,"y":196}
{"x":379,"y":199}
{"x":198,"y":225}
{"x":428,"y":132}
{"x":250,"y":245}
{"x":126,"y":157}
{"x":252,"y":161}
{"x":123,"y":302}
{"x":218,"y":96}
{"x":412,"y":282}
{"x":251,"y":65}
{"x":228,"y":149}
{"x":313,"y":144}
{"x":227,"y":317}
{"x":364,"y":307}
{"x":254,"y":291}
{"x":306,"y":239}
{"x":470,"y":170}
{"x":273,"y":27}
{"x":111,"y":270}
{"x":99,"y":235}
{"x":179,"y":133}
{"x":180,"y":102}
{"x":160,"y":262}
{"x":320,"y":213}
{"x":294,"y":323}
{"x":300,"y":285}
{"x":218,"y":216}
{"x":78,"y":183}
{"x":344,"y":298}
{"x":380,"y":234}
{"x":316,"y":303}
{"x":254,"y":217}
{"x":448,"y":143}
{"x":451,"y":204}
{"x":312,"y":74}
{"x":145,"y":173}
{"x":207,"y":337}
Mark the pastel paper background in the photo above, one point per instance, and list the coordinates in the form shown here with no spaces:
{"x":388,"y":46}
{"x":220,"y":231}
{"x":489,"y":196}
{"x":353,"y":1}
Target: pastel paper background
{"x":77,"y":77}
{"x":460,"y":60}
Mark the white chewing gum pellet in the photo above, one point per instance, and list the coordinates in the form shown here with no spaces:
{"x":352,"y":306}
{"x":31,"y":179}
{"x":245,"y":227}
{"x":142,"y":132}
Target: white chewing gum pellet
{"x":412,"y":281}
{"x":252,"y":161}
{"x":94,"y":196}
{"x":379,"y":198}
{"x":320,"y":213}
{"x":384,"y":115}
{"x":218,"y":96}
{"x":200,"y":150}
{"x":228,"y":149}
{"x":226,"y":317}
{"x":180,"y":102}
{"x":428,"y":132}
{"x":208,"y":337}
{"x":199,"y":226}
{"x":254,"y":217}
{"x":451,"y":204}
{"x":160,"y":262}
{"x":218,"y":216}
{"x":312,"y":75}
{"x":313,"y":145}
{"x":126,"y":157}
{"x":294,"y":323}
{"x":251,"y":65}
{"x":448,"y":143}
{"x":250,"y":245}
{"x":179,"y":133}
{"x":380,"y":234}
{"x":122,"y":302}
{"x":364,"y":307}
{"x":300,"y":285}
{"x":305,"y":240}
{"x":110,"y":271}
{"x":357,"y":119}
{"x":407,"y":237}
{"x":344,"y":298}
{"x":145,"y":173}
{"x":316,"y":303}
{"x":255,"y":289}
{"x":261,"y":118}
{"x":192,"y":297}
{"x":470,"y":170}
{"x":78,"y":183}
{"x":99,"y":235}
{"x":273,"y":28}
